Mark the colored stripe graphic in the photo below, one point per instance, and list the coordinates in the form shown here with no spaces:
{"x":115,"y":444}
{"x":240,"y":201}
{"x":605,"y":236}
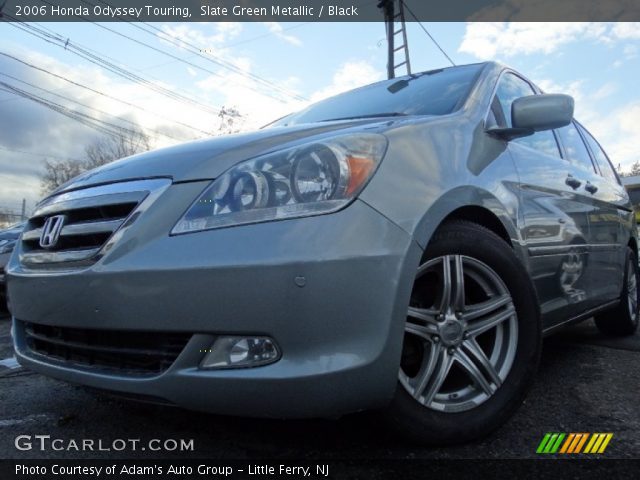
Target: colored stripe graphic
{"x":544,"y":441}
{"x":567,"y":443}
{"x":605,"y":442}
{"x":573,"y":443}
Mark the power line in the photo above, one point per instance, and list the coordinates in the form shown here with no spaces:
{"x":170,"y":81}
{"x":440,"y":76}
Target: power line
{"x":90,"y":107}
{"x":106,"y":95}
{"x":241,"y":42}
{"x":99,"y":60}
{"x":34,"y":154}
{"x":210,"y":57}
{"x":194,"y":65}
{"x":101,"y":126}
{"x":427,"y":32}
{"x":216,"y":60}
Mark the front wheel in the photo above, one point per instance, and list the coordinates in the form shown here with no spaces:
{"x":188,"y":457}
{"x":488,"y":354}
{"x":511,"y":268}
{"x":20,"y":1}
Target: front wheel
{"x":472,"y":339}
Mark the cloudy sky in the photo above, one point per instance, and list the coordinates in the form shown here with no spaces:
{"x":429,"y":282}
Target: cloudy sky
{"x":266,"y":70}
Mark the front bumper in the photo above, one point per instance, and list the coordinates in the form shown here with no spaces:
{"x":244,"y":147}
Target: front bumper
{"x":340,"y":334}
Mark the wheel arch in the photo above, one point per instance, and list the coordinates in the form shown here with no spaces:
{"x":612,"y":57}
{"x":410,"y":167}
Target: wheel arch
{"x":475,"y":205}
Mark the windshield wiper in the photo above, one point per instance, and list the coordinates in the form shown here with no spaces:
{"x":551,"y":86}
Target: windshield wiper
{"x":369,"y":115}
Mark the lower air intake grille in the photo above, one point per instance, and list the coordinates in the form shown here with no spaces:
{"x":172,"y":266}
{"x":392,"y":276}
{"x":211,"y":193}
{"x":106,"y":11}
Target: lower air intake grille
{"x":124,"y":352}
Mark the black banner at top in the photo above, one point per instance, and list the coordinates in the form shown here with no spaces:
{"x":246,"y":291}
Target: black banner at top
{"x":316,"y":10}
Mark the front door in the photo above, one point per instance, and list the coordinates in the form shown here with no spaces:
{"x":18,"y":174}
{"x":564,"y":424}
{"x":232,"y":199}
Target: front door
{"x":553,"y":213}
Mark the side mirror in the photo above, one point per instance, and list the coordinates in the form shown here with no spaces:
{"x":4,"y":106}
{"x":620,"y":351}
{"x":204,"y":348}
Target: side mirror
{"x":535,"y":113}
{"x":542,"y":112}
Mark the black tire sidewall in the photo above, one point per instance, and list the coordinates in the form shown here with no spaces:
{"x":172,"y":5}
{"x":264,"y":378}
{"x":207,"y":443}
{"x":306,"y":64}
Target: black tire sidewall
{"x":618,"y":321}
{"x":426,"y":424}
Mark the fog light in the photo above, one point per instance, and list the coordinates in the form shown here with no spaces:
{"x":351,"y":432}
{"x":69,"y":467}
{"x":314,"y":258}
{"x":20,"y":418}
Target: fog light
{"x":236,"y":352}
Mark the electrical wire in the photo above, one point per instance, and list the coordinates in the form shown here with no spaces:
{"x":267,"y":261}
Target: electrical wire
{"x":90,"y":107}
{"x":427,"y":32}
{"x":101,"y":126}
{"x":12,"y":150}
{"x":99,"y":60}
{"x":106,"y":95}
{"x":209,"y":57}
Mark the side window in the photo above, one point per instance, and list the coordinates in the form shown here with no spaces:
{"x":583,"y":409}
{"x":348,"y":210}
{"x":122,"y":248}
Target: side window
{"x":509,"y":89}
{"x":575,"y":149}
{"x":601,"y":158}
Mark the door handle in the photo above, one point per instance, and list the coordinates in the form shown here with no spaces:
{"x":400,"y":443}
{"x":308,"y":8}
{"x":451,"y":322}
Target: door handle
{"x":591,"y":188}
{"x":572,"y":181}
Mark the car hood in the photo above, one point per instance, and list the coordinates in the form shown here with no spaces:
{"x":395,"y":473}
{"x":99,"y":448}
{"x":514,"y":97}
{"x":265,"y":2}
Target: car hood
{"x":209,"y":158}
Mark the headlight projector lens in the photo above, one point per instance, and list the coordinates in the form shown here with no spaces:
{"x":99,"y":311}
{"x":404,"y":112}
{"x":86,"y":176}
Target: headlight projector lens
{"x":251,"y":190}
{"x":317,"y":172}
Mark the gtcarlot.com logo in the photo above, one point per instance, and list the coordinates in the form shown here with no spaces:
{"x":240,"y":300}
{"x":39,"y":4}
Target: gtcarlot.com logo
{"x":47,"y":443}
{"x":573,"y":443}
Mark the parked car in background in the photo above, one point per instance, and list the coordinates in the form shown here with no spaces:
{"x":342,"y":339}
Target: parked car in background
{"x":403,"y":246}
{"x":8,"y":239}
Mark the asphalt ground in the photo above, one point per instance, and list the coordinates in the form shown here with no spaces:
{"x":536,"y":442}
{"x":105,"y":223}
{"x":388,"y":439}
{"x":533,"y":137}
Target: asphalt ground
{"x":586,"y":383}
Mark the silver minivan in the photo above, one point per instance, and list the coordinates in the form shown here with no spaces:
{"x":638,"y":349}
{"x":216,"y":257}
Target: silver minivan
{"x":401,"y":247}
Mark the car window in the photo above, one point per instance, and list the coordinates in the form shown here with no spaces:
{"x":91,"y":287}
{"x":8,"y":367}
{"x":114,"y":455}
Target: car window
{"x":600,"y":156}
{"x":437,"y":92}
{"x":509,"y":89}
{"x":574,"y":147}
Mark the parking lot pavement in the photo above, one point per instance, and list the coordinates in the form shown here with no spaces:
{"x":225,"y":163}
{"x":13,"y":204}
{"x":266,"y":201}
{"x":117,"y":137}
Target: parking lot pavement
{"x":586,"y":383}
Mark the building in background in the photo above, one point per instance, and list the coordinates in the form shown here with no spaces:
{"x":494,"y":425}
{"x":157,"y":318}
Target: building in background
{"x":632,"y":184}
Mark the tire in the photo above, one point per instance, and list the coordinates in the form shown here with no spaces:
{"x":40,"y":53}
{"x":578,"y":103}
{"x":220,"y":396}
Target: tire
{"x":623,"y":320}
{"x":466,"y":407}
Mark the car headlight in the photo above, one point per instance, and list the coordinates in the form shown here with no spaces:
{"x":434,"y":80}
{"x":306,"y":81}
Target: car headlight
{"x":315,"y":178}
{"x":7,"y":246}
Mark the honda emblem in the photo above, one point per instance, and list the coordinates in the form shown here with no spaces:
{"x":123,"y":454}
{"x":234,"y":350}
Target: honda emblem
{"x":51,"y":231}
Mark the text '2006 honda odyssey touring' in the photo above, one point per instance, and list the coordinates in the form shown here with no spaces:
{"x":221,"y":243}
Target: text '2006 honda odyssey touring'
{"x":403,"y":246}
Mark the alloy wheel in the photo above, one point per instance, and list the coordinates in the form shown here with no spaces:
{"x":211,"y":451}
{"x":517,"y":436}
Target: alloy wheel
{"x":461,"y":334}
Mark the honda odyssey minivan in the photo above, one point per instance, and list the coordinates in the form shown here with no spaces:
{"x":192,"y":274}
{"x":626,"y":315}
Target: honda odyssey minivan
{"x":402,"y":247}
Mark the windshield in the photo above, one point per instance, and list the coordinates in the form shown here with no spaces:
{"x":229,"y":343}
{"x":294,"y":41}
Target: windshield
{"x":438,"y":92}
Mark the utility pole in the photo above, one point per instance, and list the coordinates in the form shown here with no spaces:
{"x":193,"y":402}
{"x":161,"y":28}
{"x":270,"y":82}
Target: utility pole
{"x":393,"y":11}
{"x":23,"y":215}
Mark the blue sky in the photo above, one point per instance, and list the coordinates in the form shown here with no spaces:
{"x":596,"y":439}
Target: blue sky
{"x":598,"y":64}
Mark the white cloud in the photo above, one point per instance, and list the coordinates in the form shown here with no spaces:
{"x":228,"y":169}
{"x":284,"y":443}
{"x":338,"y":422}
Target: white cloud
{"x":28,"y":127}
{"x":205,"y":35}
{"x":491,"y":40}
{"x":618,"y":132}
{"x":276,"y":29}
{"x":240,"y":92}
{"x":626,"y":30}
{"x":605,"y":91}
{"x":348,"y":76}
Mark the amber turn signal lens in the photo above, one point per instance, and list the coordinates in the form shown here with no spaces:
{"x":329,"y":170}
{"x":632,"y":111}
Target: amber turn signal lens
{"x":359,"y":170}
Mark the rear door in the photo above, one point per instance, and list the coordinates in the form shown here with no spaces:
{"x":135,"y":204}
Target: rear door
{"x":607,"y":252}
{"x":554,"y":211}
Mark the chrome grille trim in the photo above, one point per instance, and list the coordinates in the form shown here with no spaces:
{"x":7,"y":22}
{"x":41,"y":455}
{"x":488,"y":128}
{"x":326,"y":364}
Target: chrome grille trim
{"x":82,"y":228}
{"x":57,"y":257}
{"x":89,"y":202}
{"x":95,"y":218}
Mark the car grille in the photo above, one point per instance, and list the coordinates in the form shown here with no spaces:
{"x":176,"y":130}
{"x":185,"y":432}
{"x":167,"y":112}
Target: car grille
{"x":124,"y":352}
{"x":90,"y":218}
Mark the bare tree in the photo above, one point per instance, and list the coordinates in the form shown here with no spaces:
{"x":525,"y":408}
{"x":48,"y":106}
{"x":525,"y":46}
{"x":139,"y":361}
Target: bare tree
{"x":101,"y":152}
{"x":635,"y":169}
{"x":231,"y":120}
